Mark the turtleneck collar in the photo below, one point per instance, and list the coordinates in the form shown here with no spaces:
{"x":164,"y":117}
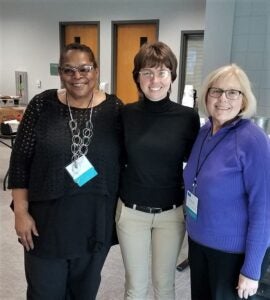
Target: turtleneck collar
{"x":227,"y":125}
{"x":155,"y":106}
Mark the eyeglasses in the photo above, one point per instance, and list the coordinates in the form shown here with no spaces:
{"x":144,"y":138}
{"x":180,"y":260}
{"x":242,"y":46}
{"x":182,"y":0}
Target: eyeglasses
{"x":83,"y":70}
{"x":230,"y":94}
{"x":161,"y":74}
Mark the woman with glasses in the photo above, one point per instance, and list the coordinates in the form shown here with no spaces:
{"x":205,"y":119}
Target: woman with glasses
{"x":158,"y":134}
{"x":64,"y":172}
{"x":227,"y":191}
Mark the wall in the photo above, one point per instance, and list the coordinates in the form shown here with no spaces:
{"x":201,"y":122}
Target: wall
{"x":239,"y":31}
{"x":31,"y":33}
{"x":251,"y":47}
{"x":219,"y":15}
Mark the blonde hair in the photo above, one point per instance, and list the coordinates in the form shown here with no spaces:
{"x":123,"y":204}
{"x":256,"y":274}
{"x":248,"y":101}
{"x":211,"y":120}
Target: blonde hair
{"x":249,"y":100}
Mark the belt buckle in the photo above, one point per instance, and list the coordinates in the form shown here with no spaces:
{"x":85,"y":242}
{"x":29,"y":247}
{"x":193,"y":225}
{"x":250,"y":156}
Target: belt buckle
{"x":155,"y":210}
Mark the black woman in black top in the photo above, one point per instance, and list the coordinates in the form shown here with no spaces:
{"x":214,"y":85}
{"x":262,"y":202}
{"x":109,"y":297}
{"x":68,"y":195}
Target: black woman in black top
{"x":64,"y":220}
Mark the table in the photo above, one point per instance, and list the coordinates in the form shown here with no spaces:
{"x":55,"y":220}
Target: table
{"x":11,"y":113}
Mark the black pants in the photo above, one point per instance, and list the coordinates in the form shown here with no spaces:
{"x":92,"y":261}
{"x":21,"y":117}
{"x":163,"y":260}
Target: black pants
{"x":64,"y":279}
{"x":214,"y":274}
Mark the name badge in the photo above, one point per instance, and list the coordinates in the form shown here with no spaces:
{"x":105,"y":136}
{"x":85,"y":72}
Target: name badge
{"x":192,"y":205}
{"x":81,"y":170}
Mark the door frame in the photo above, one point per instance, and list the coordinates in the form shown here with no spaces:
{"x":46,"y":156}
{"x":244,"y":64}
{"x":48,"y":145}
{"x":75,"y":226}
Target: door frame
{"x":62,"y":34}
{"x":114,"y":39}
{"x":185,"y":34}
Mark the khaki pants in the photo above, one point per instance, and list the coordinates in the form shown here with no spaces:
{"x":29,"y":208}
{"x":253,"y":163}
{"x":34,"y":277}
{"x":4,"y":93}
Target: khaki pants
{"x":144,"y":236}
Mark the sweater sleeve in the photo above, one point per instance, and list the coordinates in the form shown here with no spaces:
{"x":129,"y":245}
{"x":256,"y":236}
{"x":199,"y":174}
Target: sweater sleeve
{"x":255,"y":159}
{"x":24,"y":147}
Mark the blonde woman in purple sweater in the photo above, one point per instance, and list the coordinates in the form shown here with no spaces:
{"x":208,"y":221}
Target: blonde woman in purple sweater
{"x":227,"y":192}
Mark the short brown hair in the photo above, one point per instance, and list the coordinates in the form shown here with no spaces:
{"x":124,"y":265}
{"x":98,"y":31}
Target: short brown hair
{"x":153,"y":55}
{"x":79,"y":47}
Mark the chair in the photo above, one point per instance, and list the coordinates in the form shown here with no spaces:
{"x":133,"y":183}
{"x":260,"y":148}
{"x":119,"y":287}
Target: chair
{"x":183,"y":265}
{"x":6,"y":134}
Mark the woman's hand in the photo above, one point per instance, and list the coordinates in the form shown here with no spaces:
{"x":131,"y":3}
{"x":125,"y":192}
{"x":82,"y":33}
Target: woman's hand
{"x":246,"y":287}
{"x":25,"y":226}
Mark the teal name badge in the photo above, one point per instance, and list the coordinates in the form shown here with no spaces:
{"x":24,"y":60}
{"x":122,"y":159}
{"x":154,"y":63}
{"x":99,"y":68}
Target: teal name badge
{"x":192,"y":205}
{"x":81,"y":170}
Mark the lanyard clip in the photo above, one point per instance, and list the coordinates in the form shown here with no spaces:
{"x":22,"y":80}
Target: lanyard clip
{"x":194,"y":186}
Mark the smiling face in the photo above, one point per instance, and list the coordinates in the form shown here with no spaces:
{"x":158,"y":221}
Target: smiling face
{"x":79,"y":85}
{"x":155,"y":82}
{"x":222,"y":109}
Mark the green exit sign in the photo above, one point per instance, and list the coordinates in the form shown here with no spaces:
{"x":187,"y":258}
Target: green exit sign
{"x":54,"y":69}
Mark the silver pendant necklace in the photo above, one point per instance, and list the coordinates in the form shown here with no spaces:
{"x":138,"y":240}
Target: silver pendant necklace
{"x":79,"y":145}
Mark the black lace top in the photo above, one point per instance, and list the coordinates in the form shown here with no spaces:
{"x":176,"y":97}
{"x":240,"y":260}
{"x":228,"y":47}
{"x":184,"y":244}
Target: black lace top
{"x":42,"y":148}
{"x":71,"y":220}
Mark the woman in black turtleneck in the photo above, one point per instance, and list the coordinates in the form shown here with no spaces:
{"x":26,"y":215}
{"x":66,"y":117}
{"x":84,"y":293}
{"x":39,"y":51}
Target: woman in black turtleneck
{"x":159,"y":135}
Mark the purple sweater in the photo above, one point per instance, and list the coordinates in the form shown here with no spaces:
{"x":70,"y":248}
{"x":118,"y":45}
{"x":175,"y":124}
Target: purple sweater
{"x":233,"y":188}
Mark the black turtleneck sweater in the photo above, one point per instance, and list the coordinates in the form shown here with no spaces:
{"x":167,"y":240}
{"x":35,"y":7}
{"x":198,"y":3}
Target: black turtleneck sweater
{"x":158,"y":138}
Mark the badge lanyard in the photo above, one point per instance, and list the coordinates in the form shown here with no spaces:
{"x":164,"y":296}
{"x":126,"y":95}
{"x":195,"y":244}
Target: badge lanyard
{"x":199,"y":166}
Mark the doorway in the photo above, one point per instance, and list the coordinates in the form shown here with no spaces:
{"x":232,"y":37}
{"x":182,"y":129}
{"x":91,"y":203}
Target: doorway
{"x":190,"y":63}
{"x":80,"y":32}
{"x":128,"y":37}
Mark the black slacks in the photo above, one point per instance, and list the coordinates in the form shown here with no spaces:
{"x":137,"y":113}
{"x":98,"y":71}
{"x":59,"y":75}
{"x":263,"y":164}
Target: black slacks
{"x":64,"y":279}
{"x":214,"y":274}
